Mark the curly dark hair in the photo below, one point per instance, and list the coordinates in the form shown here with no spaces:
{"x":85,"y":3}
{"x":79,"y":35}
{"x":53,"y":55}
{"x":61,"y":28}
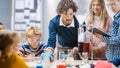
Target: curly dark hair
{"x":64,"y":5}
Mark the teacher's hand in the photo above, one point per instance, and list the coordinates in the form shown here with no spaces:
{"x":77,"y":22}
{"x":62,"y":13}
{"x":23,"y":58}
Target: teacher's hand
{"x":47,"y":54}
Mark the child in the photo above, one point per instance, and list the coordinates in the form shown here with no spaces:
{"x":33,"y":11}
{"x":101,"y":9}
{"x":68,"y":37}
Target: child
{"x":32,"y":46}
{"x":8,"y":47}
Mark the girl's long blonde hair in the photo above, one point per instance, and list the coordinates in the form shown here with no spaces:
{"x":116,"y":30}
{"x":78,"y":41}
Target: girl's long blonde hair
{"x":103,"y":14}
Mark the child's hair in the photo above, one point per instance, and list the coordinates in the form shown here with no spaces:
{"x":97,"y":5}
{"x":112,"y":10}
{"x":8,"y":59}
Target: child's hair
{"x":103,"y":13}
{"x":8,"y":38}
{"x":32,"y":31}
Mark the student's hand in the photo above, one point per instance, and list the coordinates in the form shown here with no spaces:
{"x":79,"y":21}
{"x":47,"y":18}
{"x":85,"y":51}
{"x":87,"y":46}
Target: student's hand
{"x":48,"y":54}
{"x":98,"y":35}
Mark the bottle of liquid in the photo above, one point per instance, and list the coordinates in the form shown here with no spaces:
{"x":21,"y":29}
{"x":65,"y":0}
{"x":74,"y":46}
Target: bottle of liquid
{"x":83,"y":39}
{"x":39,"y":65}
{"x":70,"y":58}
{"x":46,"y":62}
{"x":81,"y":34}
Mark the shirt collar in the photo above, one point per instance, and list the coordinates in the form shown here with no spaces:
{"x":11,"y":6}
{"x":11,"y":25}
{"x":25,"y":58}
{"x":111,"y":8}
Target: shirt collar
{"x":71,"y":25}
{"x":117,"y":15}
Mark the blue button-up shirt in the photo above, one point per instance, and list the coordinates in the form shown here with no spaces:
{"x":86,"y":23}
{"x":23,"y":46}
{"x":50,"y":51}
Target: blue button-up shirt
{"x":114,"y":31}
{"x":113,"y":47}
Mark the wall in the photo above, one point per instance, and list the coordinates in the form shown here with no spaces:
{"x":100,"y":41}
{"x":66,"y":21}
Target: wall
{"x":48,"y":12}
{"x":5,"y":13}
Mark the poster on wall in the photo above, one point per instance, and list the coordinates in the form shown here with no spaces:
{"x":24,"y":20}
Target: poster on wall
{"x":19,"y":17}
{"x":19,"y":4}
{"x":26,"y":13}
